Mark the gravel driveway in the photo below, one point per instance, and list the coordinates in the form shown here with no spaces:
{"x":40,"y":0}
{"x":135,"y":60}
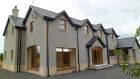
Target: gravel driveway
{"x":109,"y":73}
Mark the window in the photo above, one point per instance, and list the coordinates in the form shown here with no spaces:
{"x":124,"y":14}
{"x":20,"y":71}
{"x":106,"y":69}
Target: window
{"x":62,"y":24}
{"x":31,"y":27}
{"x":86,"y":30}
{"x":34,"y":58}
{"x":65,"y":50}
{"x":58,"y":49}
{"x":65,"y":58}
{"x":112,"y":36}
{"x":100,"y":33}
{"x":11,"y":54}
{"x":111,"y":53}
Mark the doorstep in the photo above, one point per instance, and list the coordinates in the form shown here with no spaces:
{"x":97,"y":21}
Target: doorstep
{"x":100,"y":66}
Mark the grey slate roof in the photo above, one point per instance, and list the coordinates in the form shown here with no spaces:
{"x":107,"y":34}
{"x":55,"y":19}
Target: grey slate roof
{"x":110,"y":31}
{"x":76,"y":21}
{"x":17,"y":21}
{"x":93,"y":39}
{"x":51,"y":14}
{"x":126,"y":42}
{"x":44,"y":12}
{"x":97,"y":26}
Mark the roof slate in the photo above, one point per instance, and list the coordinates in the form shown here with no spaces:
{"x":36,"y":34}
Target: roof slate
{"x":93,"y":39}
{"x":97,"y":26}
{"x":43,"y":12}
{"x":17,"y":21}
{"x":51,"y":14}
{"x":110,"y":31}
{"x":126,"y":42}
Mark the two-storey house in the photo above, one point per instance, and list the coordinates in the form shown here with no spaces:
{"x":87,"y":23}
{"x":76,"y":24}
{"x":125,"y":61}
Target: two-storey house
{"x":48,"y":43}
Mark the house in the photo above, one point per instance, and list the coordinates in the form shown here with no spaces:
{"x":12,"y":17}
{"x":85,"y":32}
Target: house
{"x":131,"y":48}
{"x":48,"y":43}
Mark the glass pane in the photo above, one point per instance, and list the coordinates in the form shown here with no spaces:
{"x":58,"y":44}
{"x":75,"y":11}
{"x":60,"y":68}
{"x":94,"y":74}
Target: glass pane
{"x":59,"y":49}
{"x":85,"y":28}
{"x":66,"y":50}
{"x":38,"y":49}
{"x":72,"y":49}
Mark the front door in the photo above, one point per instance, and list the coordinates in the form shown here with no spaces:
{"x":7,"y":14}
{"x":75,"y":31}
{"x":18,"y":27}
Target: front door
{"x":97,"y":57}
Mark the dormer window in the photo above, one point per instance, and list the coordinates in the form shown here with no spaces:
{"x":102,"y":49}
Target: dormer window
{"x":100,"y":33}
{"x":31,"y":27}
{"x":86,"y":30}
{"x":62,"y":24}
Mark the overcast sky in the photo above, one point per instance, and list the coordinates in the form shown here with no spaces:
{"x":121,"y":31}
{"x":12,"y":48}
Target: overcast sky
{"x":123,"y":15}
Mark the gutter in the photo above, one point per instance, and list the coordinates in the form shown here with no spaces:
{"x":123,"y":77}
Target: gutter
{"x":88,"y":57}
{"x":78,"y":48}
{"x":19,"y":50}
{"x":108,"y":58}
{"x":20,"y":38}
{"x":48,"y":74}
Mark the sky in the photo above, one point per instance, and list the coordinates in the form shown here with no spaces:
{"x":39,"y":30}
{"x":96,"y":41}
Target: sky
{"x":122,"y":15}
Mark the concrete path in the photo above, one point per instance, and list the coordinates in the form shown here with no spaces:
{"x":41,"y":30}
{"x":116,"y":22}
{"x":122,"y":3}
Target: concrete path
{"x":109,"y":73}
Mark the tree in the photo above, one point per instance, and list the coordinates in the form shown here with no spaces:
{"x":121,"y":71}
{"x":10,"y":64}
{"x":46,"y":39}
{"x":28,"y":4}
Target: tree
{"x":1,"y":56}
{"x":131,"y":70}
{"x":137,"y":34}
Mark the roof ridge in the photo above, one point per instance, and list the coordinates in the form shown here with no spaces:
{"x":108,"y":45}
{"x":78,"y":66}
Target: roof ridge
{"x":15,"y":16}
{"x":43,"y":9}
{"x":75,"y":18}
{"x":56,"y":12}
{"x":109,"y":28}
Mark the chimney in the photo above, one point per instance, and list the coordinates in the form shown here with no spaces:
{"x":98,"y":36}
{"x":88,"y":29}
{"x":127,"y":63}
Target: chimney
{"x":15,"y":11}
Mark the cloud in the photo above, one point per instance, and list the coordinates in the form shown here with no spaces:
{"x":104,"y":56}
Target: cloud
{"x":119,"y":14}
{"x":123,"y":15}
